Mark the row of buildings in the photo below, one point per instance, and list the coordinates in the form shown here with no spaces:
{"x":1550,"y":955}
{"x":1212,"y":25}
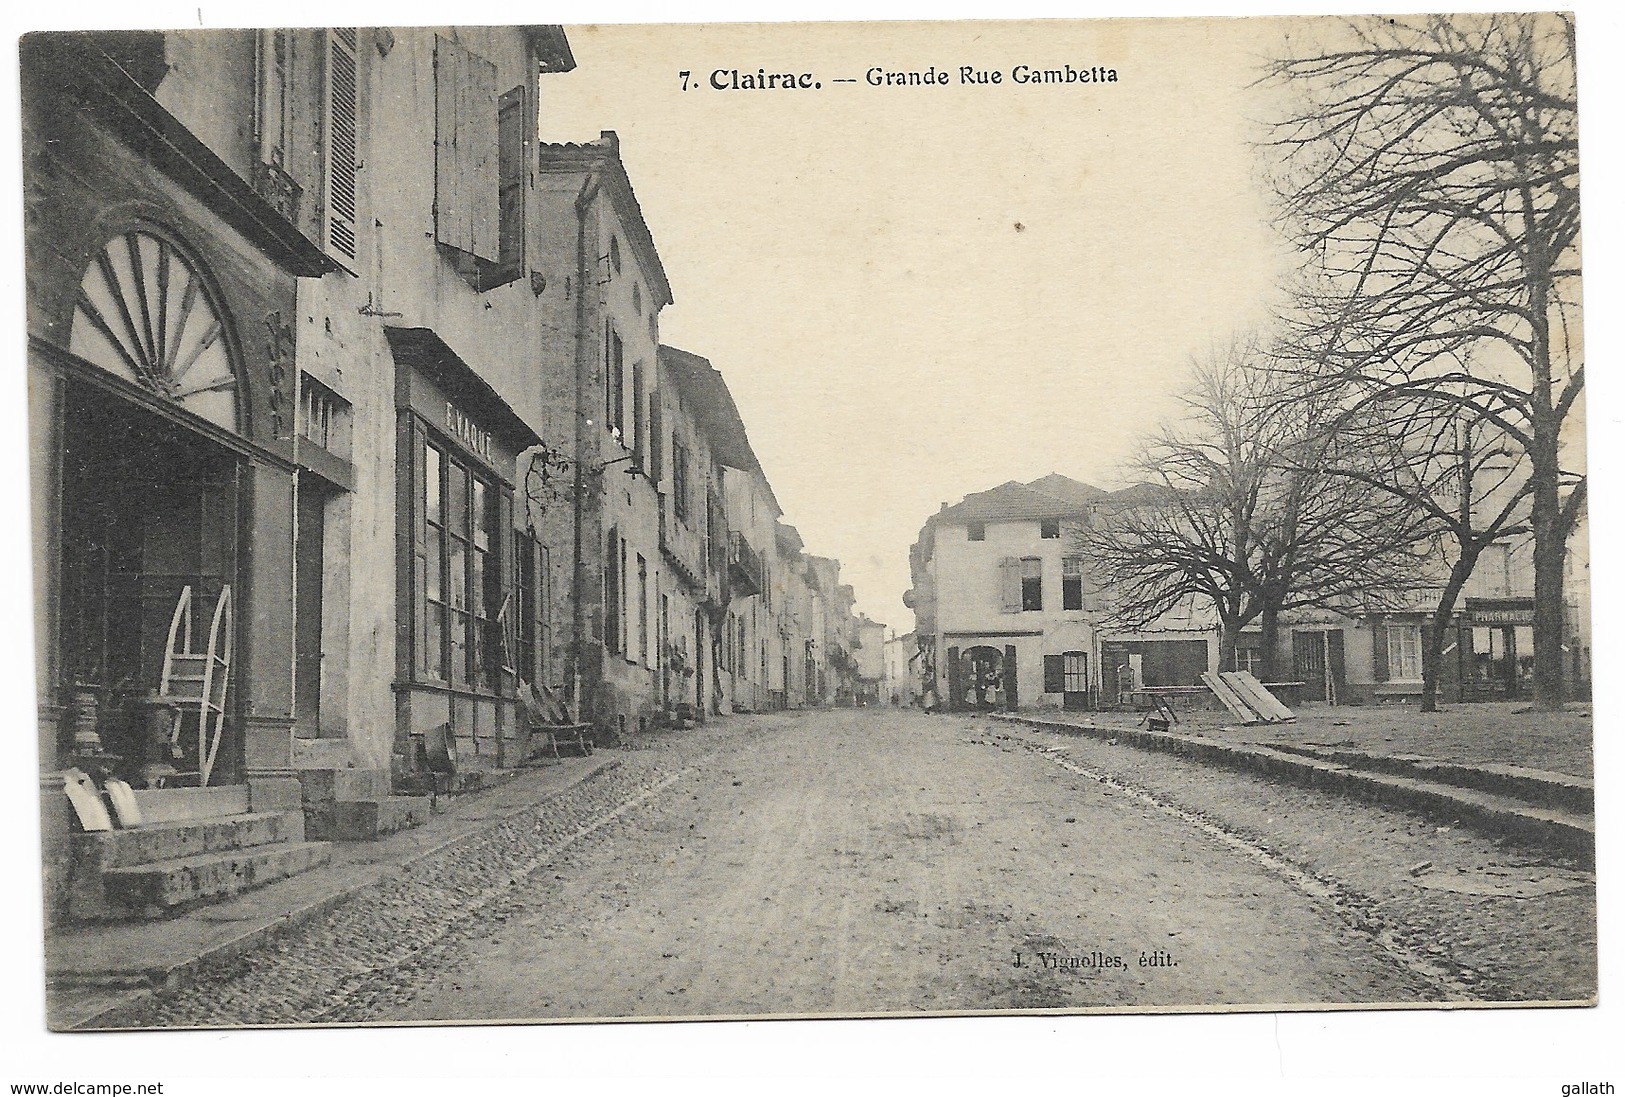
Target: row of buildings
{"x":1008,"y":615}
{"x":347,"y":388}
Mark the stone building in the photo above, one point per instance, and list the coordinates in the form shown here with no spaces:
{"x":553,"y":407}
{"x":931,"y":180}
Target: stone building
{"x":349,"y":425}
{"x":1009,"y":617}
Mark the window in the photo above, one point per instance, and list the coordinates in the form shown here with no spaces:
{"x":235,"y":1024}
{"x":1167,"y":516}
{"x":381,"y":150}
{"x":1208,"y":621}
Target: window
{"x":615,"y":254}
{"x":679,"y":480}
{"x":1071,"y":582}
{"x":612,"y":590}
{"x":1032,"y":583}
{"x":638,"y":454}
{"x":976,"y":531}
{"x":1405,"y":653}
{"x":614,"y":383}
{"x":1049,"y":529}
{"x":643,"y":609}
{"x":1076,"y":678}
{"x":324,"y":416}
{"x":461,"y":581}
{"x":1249,"y":659}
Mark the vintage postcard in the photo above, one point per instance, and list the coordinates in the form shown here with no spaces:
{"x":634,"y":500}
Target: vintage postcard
{"x":576,"y":523}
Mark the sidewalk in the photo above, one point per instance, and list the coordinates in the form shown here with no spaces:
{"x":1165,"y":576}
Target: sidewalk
{"x":1552,"y":809}
{"x":91,"y":970}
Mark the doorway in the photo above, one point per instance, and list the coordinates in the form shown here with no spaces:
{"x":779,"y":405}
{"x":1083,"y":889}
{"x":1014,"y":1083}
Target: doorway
{"x":149,"y":508}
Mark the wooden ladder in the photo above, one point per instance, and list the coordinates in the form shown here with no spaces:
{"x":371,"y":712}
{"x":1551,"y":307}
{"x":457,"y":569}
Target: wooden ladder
{"x":195,"y":683}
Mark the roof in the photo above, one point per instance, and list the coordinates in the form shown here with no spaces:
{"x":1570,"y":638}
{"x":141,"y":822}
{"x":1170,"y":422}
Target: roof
{"x":604,"y":155}
{"x":789,"y":538}
{"x":1052,"y":496}
{"x":706,"y":393}
{"x":551,"y":48}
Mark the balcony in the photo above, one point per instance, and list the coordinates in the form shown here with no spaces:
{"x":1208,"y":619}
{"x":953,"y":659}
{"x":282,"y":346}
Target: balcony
{"x":744,"y":566}
{"x":683,"y":548}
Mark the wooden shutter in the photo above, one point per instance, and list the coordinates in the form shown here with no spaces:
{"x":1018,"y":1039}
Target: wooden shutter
{"x":1010,"y":583}
{"x":956,"y":700}
{"x":637,"y":416}
{"x":512,"y":159}
{"x":466,"y":192}
{"x":339,"y":143}
{"x":612,"y":589}
{"x":1379,"y":653}
{"x":1054,"y":674}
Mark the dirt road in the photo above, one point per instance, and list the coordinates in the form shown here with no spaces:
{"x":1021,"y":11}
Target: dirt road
{"x":883,"y":861}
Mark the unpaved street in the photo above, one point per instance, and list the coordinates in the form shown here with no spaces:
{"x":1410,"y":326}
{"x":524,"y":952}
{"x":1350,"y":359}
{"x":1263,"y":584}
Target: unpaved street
{"x":876,"y":861}
{"x":884,"y":861}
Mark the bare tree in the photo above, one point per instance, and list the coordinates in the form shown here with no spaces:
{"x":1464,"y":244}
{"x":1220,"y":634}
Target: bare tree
{"x":1465,"y":479}
{"x":1236,"y":509}
{"x":1431,"y":169}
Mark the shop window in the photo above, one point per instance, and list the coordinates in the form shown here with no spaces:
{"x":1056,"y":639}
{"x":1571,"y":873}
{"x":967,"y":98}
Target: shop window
{"x":1032,"y":584}
{"x":1405,"y":653}
{"x":976,"y":531}
{"x":1072,"y":582}
{"x":531,"y":598}
{"x":461,"y":581}
{"x":1049,"y":529}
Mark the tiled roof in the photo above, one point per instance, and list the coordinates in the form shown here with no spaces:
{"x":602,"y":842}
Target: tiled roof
{"x":706,"y":393}
{"x":605,"y":154}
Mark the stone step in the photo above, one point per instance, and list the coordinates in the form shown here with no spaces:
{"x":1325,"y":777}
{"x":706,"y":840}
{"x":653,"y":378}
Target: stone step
{"x":150,"y":842}
{"x":158,"y":888}
{"x":365,"y":820}
{"x":327,"y":784}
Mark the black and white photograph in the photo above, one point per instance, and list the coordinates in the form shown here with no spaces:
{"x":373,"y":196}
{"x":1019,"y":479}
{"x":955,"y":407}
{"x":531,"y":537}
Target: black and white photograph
{"x":559,"y":523}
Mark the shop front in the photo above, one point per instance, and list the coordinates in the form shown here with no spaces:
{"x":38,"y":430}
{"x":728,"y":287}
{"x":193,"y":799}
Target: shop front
{"x":459,"y":563}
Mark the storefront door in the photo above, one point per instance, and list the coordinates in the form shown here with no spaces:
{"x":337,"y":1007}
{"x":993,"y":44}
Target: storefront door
{"x":149,"y":509}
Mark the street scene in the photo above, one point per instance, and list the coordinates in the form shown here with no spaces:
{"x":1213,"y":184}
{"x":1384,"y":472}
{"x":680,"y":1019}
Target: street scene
{"x":881,"y":861}
{"x":1079,"y":519}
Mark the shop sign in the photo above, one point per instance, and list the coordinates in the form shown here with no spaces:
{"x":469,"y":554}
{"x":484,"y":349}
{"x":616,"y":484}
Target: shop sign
{"x":1520,"y":612}
{"x":466,"y":431}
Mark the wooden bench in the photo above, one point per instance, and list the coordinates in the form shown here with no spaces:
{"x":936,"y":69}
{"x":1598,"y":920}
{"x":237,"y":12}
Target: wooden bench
{"x":556,"y":737}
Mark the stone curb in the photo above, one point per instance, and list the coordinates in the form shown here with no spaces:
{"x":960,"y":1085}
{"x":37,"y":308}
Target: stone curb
{"x":178,"y":974}
{"x":1496,"y":814}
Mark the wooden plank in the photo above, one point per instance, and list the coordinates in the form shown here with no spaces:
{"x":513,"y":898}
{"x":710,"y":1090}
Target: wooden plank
{"x":1238,"y":706}
{"x":1257,"y":696}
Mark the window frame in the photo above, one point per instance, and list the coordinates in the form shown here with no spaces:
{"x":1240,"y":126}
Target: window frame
{"x":1404,"y":645}
{"x":1032,"y":586}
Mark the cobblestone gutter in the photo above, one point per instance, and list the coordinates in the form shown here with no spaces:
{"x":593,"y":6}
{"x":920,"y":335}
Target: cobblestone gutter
{"x":333,"y":967}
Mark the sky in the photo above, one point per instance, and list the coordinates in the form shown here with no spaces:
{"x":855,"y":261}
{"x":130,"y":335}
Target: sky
{"x":920,"y":292}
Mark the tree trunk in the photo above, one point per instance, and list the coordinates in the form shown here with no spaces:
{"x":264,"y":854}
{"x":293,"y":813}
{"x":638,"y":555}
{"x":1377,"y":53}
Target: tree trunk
{"x":1551,"y":548}
{"x":1433,"y":642}
{"x":1227,"y":644}
{"x":1270,"y":622}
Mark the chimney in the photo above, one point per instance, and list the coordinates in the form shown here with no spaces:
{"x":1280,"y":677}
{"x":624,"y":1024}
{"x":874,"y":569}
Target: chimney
{"x":608,"y":137}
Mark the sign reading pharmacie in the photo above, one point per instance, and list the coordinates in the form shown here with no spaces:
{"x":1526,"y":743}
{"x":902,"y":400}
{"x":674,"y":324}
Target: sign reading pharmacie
{"x":1500,"y":611}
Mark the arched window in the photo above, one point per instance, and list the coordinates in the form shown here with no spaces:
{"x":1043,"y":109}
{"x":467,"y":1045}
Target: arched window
{"x":144,"y":314}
